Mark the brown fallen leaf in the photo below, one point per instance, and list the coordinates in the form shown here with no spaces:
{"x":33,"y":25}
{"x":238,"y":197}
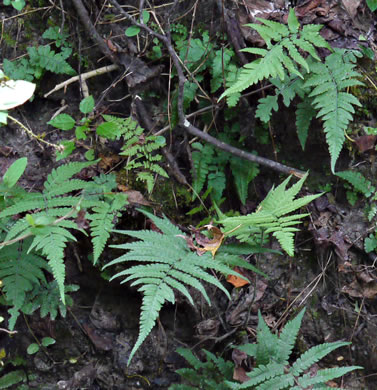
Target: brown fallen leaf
{"x":366,"y":142}
{"x":236,"y":280}
{"x":208,"y":244}
{"x":134,"y":197}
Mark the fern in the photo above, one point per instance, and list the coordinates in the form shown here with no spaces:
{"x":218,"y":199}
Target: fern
{"x":170,"y":265}
{"x":208,"y":375}
{"x":139,"y":149}
{"x":48,"y":225}
{"x":19,"y":272}
{"x":281,"y":57}
{"x":335,"y":107}
{"x":272,"y":217}
{"x":273,"y":370}
{"x":102,"y":222}
{"x":358,"y":181}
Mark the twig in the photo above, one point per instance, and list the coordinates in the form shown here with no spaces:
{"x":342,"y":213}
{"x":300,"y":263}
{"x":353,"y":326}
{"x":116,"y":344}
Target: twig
{"x":83,"y":76}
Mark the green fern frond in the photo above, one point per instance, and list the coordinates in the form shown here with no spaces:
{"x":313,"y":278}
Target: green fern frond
{"x":52,"y":246}
{"x":201,"y":158}
{"x":170,"y":265}
{"x":19,"y":272}
{"x":325,"y":375}
{"x":313,"y":355}
{"x":304,"y":115}
{"x":288,"y":336}
{"x":270,"y":216}
{"x":60,"y":175}
{"x":334,"y":106}
{"x":274,"y":372}
{"x":102,"y":222}
{"x":280,"y":57}
{"x":358,"y":181}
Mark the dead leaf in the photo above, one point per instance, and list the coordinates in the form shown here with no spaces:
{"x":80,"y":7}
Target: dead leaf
{"x":366,"y":142}
{"x":239,"y":374}
{"x":208,"y":244}
{"x":108,"y":161}
{"x":136,"y":198}
{"x":238,"y":357}
{"x":236,"y":280}
{"x":361,"y":290}
{"x":351,"y":7}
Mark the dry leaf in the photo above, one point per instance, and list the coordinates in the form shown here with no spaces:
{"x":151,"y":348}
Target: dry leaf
{"x":239,"y":374}
{"x":236,"y":280}
{"x":208,"y":244}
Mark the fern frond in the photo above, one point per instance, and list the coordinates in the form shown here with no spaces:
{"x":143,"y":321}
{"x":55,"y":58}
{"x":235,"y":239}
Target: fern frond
{"x":304,"y":115}
{"x":313,"y":355}
{"x":358,"y":181}
{"x":271,"y":216}
{"x":325,"y":375}
{"x":281,"y":56}
{"x":52,"y":246}
{"x":170,"y":265}
{"x":288,"y":336}
{"x":334,"y":106}
{"x":63,"y":173}
{"x":263,"y":373}
{"x":102,"y":222}
{"x":19,"y":272}
{"x":201,"y":159}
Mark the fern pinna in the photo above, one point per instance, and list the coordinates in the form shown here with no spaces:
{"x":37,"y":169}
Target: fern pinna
{"x":272,"y":217}
{"x":170,"y":265}
{"x":47,"y":227}
{"x":273,"y":369}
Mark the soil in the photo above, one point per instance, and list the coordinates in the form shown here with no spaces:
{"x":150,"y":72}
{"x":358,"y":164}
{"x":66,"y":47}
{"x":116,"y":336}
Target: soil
{"x":331,"y":274}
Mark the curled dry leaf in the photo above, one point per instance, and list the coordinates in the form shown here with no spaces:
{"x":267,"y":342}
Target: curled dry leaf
{"x":208,"y":244}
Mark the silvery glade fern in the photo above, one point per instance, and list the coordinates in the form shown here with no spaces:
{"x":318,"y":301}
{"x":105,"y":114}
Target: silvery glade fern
{"x":322,"y":85}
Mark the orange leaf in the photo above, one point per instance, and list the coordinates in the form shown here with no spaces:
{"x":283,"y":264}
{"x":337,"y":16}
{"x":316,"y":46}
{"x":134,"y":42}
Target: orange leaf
{"x":236,"y":281}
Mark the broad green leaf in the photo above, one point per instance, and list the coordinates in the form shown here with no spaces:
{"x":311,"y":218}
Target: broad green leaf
{"x":18,"y":4}
{"x":32,"y":348}
{"x":132,"y":31}
{"x":13,"y":93}
{"x":14,"y":172}
{"x":46,"y":341}
{"x":372,"y":4}
{"x":62,"y":122}
{"x":87,"y":105}
{"x":146,"y":16}
{"x":107,"y":130}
